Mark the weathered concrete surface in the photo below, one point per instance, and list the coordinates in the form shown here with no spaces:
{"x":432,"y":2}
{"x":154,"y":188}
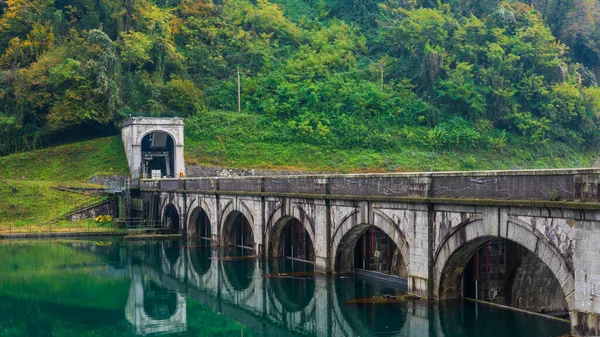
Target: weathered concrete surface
{"x":436,"y":220}
{"x":133,"y":131}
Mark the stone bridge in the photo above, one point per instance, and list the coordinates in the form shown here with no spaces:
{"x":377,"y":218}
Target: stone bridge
{"x":437,"y":222}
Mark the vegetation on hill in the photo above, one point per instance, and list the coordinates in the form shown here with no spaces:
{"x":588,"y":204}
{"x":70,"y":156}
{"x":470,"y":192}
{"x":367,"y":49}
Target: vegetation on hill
{"x":458,"y":76}
{"x":28,"y":195}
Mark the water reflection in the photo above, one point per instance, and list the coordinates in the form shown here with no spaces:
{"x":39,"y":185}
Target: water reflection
{"x":190,"y":289}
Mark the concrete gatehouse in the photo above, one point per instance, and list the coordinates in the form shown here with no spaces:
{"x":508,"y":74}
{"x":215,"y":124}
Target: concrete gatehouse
{"x":529,"y":239}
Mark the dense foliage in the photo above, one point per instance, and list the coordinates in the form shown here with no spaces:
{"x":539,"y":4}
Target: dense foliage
{"x":456,"y":74}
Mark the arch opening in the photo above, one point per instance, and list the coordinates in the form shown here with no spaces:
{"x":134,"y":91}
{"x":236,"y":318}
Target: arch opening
{"x":200,"y":224}
{"x":290,"y":239}
{"x":158,"y":155}
{"x":502,"y":271}
{"x":367,"y":247}
{"x":159,"y":303}
{"x":238,"y":231}
{"x":171,"y":218}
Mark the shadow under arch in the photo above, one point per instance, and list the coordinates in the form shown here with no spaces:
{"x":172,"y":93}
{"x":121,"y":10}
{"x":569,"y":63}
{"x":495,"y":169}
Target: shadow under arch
{"x":290,"y":237}
{"x":171,"y":218}
{"x":158,"y":153}
{"x":345,"y":252}
{"x":457,"y":249}
{"x":237,"y":230}
{"x":199,"y":225}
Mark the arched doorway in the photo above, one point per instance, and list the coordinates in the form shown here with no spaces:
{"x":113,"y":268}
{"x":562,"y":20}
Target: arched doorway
{"x":368,"y":247}
{"x":237,"y":231}
{"x":502,"y":271}
{"x":158,"y":155}
{"x":199,"y":224}
{"x":290,"y":239}
{"x":171,"y":218}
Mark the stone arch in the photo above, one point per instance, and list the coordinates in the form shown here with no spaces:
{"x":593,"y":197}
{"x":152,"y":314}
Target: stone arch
{"x":165,"y":201}
{"x":457,"y":248}
{"x":141,"y":135}
{"x":228,"y":218}
{"x":275,"y":231}
{"x":193,"y":217}
{"x":171,"y":217}
{"x":346,"y":236}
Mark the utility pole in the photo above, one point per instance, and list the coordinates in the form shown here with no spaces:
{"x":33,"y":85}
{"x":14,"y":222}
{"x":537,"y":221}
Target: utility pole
{"x":382,"y":77}
{"x":239,"y":92}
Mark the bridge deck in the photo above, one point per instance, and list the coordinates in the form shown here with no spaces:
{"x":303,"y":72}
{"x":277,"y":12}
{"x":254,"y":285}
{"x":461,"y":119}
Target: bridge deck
{"x":568,"y":187}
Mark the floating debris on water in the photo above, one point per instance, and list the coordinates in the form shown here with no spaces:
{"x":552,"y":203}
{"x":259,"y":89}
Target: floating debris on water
{"x":383,"y":299}
{"x":299,"y":274}
{"x":229,"y":258}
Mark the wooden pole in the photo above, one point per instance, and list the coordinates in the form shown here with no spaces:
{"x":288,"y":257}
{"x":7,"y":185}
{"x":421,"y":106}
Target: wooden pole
{"x":239,"y":92}
{"x":381,"y":78}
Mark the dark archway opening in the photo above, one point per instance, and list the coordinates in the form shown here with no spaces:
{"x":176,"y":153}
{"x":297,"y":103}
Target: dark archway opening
{"x":503,"y":272}
{"x":293,"y":241}
{"x":238,"y":231}
{"x":171,"y":218}
{"x":200,"y":224}
{"x":375,"y":251}
{"x":158,"y":155}
{"x":159,"y":303}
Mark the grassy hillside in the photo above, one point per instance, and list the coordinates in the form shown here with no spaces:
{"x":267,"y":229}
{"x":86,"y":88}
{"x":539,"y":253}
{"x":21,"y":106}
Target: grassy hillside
{"x":252,"y":141}
{"x":67,"y":163}
{"x":28,"y":180}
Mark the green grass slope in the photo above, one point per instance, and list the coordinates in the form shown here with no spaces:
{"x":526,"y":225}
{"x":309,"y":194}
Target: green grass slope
{"x":30,"y":202}
{"x":254,"y":141}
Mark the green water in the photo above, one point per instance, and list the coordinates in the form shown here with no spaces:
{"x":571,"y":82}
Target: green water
{"x":111,"y":288}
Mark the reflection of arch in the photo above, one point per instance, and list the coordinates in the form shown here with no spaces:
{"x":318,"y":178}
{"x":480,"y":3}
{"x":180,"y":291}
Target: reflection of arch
{"x":275,"y":239}
{"x":294,"y":293}
{"x":236,"y":220}
{"x":200,"y":259}
{"x":199,"y":223}
{"x":368,"y":319}
{"x":239,"y":272}
{"x":170,"y":218}
{"x":458,"y":247}
{"x":159,"y":303}
{"x":167,"y":316}
{"x":345,"y":239}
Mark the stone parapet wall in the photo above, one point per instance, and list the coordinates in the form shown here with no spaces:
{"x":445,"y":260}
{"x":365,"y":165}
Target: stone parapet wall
{"x":577,"y":185}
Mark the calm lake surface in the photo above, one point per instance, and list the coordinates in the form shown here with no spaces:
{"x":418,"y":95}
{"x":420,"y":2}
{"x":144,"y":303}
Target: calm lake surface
{"x":109,"y":287}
